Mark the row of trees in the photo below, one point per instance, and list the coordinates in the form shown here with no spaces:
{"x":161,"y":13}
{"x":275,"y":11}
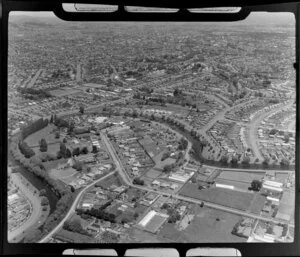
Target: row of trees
{"x":99,"y":213}
{"x":138,"y":181}
{"x":25,"y":149}
{"x":34,"y":127}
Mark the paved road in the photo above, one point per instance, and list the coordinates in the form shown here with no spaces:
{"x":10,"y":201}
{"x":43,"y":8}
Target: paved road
{"x":253,"y":126}
{"x":72,"y":209}
{"x":127,"y":180}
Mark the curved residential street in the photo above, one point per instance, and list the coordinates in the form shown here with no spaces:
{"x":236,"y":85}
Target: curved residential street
{"x":253,"y":126}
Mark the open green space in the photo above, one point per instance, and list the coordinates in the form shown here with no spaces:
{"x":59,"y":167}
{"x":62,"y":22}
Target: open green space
{"x":257,"y":204}
{"x":52,"y":149}
{"x":73,"y":237}
{"x":225,"y":197}
{"x":208,"y":226}
{"x":34,"y":138}
{"x":62,"y":174}
{"x":108,"y":182}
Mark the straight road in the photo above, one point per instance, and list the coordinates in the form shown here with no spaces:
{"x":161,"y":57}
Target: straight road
{"x":72,"y":209}
{"x":127,"y":180}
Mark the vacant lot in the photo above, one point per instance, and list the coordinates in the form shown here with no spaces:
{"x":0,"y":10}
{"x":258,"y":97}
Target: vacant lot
{"x":207,"y":226}
{"x":226,"y":197}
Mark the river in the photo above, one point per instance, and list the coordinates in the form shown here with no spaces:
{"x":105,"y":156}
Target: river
{"x":36,"y":182}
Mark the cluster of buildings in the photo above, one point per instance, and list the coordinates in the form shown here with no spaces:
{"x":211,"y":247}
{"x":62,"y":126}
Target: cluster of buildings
{"x":18,"y":207}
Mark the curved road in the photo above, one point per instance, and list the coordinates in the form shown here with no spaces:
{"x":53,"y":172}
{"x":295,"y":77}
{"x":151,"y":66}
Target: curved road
{"x":252,"y":128}
{"x":72,"y":209}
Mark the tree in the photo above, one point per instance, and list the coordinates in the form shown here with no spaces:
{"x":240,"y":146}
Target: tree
{"x":284,"y":162}
{"x":44,"y":201}
{"x":224,"y":159}
{"x":42,"y":192}
{"x":81,"y":109}
{"x":246,"y":160}
{"x":62,"y":150}
{"x":168,"y":168}
{"x":234,"y":160}
{"x":43,"y":145}
{"x":256,"y":185}
{"x":95,"y":149}
{"x":68,"y":153}
{"x":183,"y":143}
{"x":286,"y":138}
{"x":76,"y":151}
{"x":138,"y":181}
{"x":266,"y":162}
{"x":84,"y":150}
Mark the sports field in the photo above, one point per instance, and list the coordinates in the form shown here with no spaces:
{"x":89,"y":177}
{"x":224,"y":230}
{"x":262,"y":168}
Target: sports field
{"x":208,"y":225}
{"x":226,"y":197}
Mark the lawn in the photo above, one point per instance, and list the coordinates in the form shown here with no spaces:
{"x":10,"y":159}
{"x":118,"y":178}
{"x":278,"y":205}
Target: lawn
{"x":52,"y":149}
{"x":208,"y":226}
{"x":108,"y":182}
{"x":62,"y":174}
{"x":73,"y":237}
{"x":152,"y":173}
{"x":257,"y":204}
{"x":33,"y":139}
{"x":240,"y":176}
{"x":237,"y":185}
{"x":225,"y":197}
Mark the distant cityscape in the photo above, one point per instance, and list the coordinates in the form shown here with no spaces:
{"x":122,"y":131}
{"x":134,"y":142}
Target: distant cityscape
{"x":150,"y":132}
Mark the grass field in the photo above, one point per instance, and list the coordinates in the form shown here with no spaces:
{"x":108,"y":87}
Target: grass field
{"x":33,"y":139}
{"x":106,"y":183}
{"x":237,"y":185}
{"x":205,"y":228}
{"x":63,"y":174}
{"x":225,"y":197}
{"x":52,"y":149}
{"x":62,"y":92}
{"x":240,"y":176}
{"x":257,"y":204}
{"x":152,"y":173}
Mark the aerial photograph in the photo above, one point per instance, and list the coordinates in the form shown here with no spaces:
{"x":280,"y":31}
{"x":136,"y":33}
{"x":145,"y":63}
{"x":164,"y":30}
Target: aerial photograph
{"x":151,"y":132}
